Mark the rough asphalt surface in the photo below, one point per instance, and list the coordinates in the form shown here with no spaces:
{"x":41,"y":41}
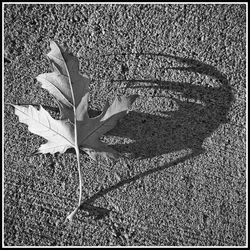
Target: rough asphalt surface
{"x":183,"y":182}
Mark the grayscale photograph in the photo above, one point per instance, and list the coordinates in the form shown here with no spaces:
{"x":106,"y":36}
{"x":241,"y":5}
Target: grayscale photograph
{"x":124,"y":124}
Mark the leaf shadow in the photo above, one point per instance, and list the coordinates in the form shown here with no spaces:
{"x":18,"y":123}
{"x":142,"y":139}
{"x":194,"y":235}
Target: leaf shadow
{"x":186,"y":127}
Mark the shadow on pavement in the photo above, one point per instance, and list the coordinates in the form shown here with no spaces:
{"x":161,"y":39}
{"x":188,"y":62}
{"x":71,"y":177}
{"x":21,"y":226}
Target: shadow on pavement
{"x":184,"y":128}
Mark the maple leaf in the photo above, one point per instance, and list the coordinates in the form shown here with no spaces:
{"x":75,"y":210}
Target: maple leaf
{"x":75,"y":128}
{"x":66,"y":79}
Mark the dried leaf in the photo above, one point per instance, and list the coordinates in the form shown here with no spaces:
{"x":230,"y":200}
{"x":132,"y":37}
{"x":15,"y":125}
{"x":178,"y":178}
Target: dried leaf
{"x":76,"y":128}
{"x":59,"y":83}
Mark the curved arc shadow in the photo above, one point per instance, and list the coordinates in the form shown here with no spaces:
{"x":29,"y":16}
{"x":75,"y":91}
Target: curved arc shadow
{"x":187,"y":128}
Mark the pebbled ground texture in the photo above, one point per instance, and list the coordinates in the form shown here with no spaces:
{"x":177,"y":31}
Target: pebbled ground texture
{"x":182,"y":180}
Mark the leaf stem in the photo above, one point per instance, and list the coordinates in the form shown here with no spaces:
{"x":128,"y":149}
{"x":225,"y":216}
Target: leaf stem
{"x":70,"y":217}
{"x":80,"y":174}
